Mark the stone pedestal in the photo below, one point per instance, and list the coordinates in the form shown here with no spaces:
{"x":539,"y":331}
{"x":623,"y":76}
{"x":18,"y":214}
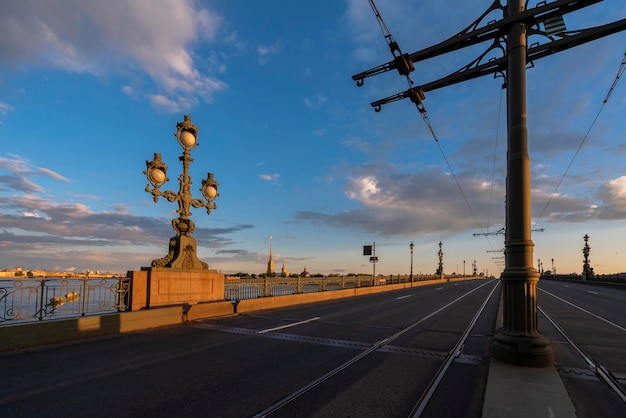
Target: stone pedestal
{"x":157,"y":286}
{"x":518,"y":341}
{"x":181,"y":255}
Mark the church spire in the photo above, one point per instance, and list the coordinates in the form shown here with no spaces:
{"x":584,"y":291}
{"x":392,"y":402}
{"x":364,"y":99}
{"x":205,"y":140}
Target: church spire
{"x":270,"y":262}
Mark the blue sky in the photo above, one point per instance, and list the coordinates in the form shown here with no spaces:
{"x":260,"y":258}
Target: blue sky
{"x":90,"y":90}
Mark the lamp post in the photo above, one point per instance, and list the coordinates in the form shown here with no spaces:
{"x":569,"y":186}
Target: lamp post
{"x":587,"y":270}
{"x":411,"y":246}
{"x":182,"y":247}
{"x":440,"y":266}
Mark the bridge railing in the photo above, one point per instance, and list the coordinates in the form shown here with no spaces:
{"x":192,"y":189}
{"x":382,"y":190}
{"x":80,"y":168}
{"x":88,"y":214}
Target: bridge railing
{"x":38,"y":299}
{"x":597,"y":278}
{"x":236,"y":288}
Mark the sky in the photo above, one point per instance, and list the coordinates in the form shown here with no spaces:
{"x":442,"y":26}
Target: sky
{"x":90,"y":90}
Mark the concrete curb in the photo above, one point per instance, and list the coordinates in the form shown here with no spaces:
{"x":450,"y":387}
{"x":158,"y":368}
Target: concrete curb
{"x":56,"y":331}
{"x":521,"y":392}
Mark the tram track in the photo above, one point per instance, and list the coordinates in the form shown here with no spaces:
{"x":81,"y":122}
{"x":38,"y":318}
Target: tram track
{"x":584,"y":348}
{"x":455,"y":352}
{"x":602,"y":372}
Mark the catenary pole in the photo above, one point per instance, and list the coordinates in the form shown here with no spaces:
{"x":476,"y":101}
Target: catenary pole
{"x":519,"y":342}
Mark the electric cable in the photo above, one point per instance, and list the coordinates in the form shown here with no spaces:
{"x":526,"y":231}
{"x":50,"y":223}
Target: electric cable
{"x":620,"y":71}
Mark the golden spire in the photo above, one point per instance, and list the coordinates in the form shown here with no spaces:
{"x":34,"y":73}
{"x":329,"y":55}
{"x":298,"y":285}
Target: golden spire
{"x":270,"y":262}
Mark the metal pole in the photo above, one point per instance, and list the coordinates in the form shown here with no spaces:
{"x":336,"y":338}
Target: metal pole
{"x":41,"y":299}
{"x":519,"y":342}
{"x":374,"y":268}
{"x":411,"y":246}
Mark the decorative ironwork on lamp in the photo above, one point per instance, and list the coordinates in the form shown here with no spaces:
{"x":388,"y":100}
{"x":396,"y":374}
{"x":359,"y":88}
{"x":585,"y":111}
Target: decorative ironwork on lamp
{"x":182,"y":248}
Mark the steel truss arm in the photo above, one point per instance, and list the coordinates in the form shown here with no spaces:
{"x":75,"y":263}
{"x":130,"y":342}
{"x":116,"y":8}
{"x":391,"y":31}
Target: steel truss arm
{"x":472,"y":35}
{"x":535,"y":52}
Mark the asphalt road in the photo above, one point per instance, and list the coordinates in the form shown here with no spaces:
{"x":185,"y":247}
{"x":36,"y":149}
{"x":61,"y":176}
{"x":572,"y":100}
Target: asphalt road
{"x":603,"y":342}
{"x":240,"y":365}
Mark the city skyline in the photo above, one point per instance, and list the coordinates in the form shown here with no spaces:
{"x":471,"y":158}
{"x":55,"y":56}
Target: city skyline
{"x":88,"y":94}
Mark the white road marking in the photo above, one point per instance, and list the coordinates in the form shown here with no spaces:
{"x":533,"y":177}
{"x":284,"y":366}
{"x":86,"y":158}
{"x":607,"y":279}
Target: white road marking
{"x":403,"y":297}
{"x":592,"y":292}
{"x":289,"y":325}
{"x":439,"y":288}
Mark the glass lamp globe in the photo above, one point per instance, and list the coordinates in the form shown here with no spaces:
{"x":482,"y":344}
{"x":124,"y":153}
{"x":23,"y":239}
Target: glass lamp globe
{"x":209,"y":192}
{"x":187,"y":139}
{"x":157,"y":176}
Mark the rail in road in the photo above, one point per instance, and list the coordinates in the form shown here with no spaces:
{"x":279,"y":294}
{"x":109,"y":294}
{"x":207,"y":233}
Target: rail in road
{"x":430,"y":389}
{"x":461,"y":317}
{"x":587,"y":326}
{"x":422,"y":350}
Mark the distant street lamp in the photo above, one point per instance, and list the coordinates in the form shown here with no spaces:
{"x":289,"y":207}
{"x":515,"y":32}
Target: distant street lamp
{"x":440,"y":255}
{"x":182,"y":247}
{"x":411,"y":246}
{"x":587,"y":269}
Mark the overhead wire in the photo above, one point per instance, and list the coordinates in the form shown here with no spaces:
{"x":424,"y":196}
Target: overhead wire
{"x":495,"y":154}
{"x":417,"y":97}
{"x":620,"y":71}
{"x":456,"y":180}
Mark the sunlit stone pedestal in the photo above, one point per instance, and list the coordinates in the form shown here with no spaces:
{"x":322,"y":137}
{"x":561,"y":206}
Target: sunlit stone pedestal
{"x":163,"y":286}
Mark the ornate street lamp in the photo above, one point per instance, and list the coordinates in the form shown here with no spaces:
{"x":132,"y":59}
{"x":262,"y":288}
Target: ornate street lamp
{"x":411,"y":246}
{"x":182,"y":247}
{"x":587,"y":269}
{"x":440,"y":255}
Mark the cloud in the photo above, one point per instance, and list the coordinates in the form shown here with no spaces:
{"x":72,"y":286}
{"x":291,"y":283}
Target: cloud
{"x":272,"y":178}
{"x":157,"y":37}
{"x":320,"y":132}
{"x":37,"y":231}
{"x":18,"y":170}
{"x":265,"y":51}
{"x":613,"y":197}
{"x":315,"y":102}
{"x":392,"y":202}
{"x":395,"y":203}
{"x":5,"y":108}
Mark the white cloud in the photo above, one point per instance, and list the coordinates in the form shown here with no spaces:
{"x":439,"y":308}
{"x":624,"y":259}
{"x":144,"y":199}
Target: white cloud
{"x":265,"y":51}
{"x":364,"y":189}
{"x":315,"y":102}
{"x":129,"y":91}
{"x":320,"y":132}
{"x":272,"y":178}
{"x":613,"y":194}
{"x":156,"y":36}
{"x":5,"y":108}
{"x":18,"y":170}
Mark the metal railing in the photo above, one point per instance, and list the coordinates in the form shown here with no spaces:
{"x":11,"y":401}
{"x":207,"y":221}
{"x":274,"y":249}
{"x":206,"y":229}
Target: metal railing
{"x":597,"y":278}
{"x":236,"y":288}
{"x":38,"y":299}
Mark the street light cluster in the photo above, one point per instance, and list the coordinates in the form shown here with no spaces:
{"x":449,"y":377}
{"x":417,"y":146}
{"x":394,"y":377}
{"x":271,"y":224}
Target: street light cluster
{"x":182,"y":252}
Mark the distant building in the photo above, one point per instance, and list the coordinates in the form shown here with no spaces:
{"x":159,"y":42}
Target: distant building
{"x":284,"y":272}
{"x":305,"y":273}
{"x":270,"y":262}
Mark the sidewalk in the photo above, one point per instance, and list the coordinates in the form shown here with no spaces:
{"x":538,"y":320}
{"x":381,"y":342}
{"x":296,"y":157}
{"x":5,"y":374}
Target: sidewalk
{"x":514,"y":391}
